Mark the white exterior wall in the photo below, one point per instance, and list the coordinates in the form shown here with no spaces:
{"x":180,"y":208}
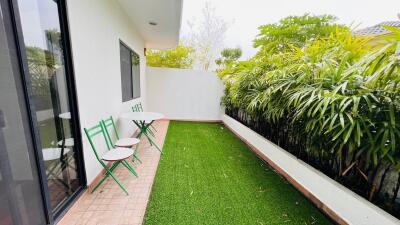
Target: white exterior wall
{"x":351,"y":207}
{"x":184,"y":94}
{"x":96,"y":28}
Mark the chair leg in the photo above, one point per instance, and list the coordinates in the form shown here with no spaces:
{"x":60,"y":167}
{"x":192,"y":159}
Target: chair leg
{"x":109,"y":172}
{"x":150,"y":132}
{"x":135,"y":152}
{"x":129,"y":167}
{"x":136,"y":157}
{"x":119,"y":183}
{"x":106,"y":175}
{"x":136,"y":149}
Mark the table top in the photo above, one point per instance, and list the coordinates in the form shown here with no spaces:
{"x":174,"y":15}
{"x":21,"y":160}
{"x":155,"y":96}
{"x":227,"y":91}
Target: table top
{"x":142,"y":116}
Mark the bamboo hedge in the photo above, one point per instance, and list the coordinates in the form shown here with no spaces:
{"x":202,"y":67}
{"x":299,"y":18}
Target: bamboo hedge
{"x":333,"y":101}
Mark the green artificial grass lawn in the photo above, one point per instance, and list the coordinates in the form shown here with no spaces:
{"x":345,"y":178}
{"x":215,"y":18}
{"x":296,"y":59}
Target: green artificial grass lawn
{"x":208,"y":176}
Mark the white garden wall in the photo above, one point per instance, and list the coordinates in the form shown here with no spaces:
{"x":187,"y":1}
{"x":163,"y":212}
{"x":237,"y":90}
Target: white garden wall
{"x":347,"y":205}
{"x":96,"y":28}
{"x":184,"y":94}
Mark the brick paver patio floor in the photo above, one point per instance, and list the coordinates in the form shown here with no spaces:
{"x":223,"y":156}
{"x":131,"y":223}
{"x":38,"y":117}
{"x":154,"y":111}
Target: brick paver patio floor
{"x":109,"y":205}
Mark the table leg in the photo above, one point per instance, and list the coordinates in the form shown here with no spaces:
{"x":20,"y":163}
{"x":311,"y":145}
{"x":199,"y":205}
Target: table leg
{"x":153,"y":143}
{"x":144,"y":130}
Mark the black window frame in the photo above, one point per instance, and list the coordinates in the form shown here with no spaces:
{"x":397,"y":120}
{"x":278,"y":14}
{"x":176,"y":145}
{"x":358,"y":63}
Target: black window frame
{"x":134,"y":91}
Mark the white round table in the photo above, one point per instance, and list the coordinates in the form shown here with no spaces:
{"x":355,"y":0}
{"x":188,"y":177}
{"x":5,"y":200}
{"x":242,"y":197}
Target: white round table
{"x":142,"y":116}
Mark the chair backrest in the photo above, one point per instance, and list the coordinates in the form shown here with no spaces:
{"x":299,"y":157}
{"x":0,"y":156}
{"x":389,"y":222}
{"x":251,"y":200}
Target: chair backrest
{"x":109,"y":122}
{"x":137,"y":107}
{"x":93,"y":132}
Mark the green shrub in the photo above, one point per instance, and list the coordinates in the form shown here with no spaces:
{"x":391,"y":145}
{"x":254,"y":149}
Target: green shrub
{"x":180,"y":57}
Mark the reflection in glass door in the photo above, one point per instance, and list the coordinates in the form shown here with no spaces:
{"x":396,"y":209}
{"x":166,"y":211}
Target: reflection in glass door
{"x":43,"y":42}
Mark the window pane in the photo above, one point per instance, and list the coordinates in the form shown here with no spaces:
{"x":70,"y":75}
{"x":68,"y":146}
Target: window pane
{"x":126,"y":73}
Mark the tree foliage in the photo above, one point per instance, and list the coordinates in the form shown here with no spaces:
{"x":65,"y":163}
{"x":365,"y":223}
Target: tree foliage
{"x":329,"y":91}
{"x":294,"y":31}
{"x":180,"y":57}
{"x":228,"y":56}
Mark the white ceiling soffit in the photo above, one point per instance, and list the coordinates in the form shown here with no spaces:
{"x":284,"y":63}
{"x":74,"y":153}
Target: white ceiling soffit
{"x":165,"y":13}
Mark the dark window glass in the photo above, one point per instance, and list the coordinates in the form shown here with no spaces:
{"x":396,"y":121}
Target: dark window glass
{"x":135,"y":74}
{"x":130,"y":73}
{"x":126,"y":74}
{"x":45,"y":55}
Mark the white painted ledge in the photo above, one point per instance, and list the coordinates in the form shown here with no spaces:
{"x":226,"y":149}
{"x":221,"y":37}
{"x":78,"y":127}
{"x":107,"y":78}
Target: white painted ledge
{"x":350,"y":207}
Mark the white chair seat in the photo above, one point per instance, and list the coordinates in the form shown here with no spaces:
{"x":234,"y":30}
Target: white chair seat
{"x":69,"y":142}
{"x":53,"y":153}
{"x":117,"y":154}
{"x":127,"y":142}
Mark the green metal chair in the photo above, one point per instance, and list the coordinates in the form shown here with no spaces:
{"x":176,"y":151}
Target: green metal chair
{"x":138,"y":107}
{"x":117,"y":156}
{"x":120,"y":142}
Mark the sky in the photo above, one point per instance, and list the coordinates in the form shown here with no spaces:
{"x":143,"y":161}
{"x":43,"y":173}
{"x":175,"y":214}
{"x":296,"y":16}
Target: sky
{"x":245,"y":16}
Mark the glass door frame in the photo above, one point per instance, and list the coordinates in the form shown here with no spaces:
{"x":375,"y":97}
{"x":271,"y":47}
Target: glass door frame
{"x":52,"y":217}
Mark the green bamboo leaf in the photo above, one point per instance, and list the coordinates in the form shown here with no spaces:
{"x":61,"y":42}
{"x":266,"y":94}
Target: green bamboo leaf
{"x":368,"y":102}
{"x":347,"y":136}
{"x":356,"y":101}
{"x":341,"y":119}
{"x":358,"y":134}
{"x":343,"y":87}
{"x":373,"y":97}
{"x":392,"y":140}
{"x":349,"y":117}
{"x":342,"y":65}
{"x":337,"y":135}
{"x":336,"y":89}
{"x":317,"y":108}
{"x":324,"y":124}
{"x":343,"y":102}
{"x":375,"y":158}
{"x":332,"y":122}
{"x":326,"y":104}
{"x":345,"y":105}
{"x":392,"y":116}
{"x":384,"y":140}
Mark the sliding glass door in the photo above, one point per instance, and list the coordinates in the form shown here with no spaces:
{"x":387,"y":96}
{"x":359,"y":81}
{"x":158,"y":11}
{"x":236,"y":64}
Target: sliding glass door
{"x":41,"y":165}
{"x":43,"y":42}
